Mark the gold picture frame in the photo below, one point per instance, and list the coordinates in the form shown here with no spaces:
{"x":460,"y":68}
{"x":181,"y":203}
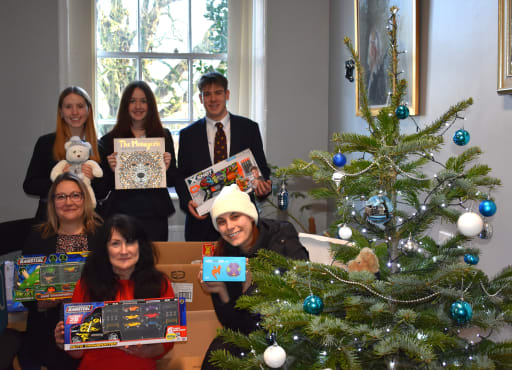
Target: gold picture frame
{"x":371,"y":39}
{"x":504,"y":47}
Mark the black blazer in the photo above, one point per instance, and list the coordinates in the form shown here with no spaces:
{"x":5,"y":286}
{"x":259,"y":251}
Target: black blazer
{"x":143,"y":203}
{"x":194,"y":156}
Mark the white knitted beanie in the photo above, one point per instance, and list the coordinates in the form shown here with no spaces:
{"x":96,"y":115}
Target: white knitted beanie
{"x":232,"y":199}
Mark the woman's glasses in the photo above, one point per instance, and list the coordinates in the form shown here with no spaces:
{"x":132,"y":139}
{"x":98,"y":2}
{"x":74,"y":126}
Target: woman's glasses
{"x":75,"y":197}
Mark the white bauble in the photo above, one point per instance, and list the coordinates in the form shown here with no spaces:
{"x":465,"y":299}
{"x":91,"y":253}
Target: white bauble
{"x":274,"y":356}
{"x":344,"y":232}
{"x":470,"y":224}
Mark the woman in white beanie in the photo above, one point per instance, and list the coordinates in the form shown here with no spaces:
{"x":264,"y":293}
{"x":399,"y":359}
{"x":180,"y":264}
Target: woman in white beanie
{"x":243,"y":234}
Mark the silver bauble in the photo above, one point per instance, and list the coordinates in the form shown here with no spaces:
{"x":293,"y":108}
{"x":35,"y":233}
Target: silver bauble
{"x":409,"y":245}
{"x":486,"y":232}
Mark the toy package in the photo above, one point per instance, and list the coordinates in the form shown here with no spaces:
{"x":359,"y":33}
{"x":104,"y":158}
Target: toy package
{"x":113,"y":324}
{"x":40,"y":277}
{"x":223,"y":268}
{"x":205,"y":185}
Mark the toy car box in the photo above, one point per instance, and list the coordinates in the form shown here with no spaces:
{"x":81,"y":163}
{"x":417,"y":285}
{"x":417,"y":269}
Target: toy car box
{"x":41,"y":277}
{"x":124,"y":323}
{"x":223,"y":268}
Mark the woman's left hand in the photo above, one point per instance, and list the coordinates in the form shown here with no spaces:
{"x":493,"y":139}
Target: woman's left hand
{"x":144,"y":350}
{"x":167,"y":160}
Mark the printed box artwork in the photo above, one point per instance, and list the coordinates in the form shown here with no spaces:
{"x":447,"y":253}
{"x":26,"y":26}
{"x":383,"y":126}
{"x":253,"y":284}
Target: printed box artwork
{"x":40,"y":277}
{"x":140,"y":163}
{"x":113,"y":324}
{"x":223,"y":268}
{"x":205,"y":185}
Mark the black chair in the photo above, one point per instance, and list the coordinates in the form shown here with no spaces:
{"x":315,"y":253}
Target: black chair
{"x":14,"y":233}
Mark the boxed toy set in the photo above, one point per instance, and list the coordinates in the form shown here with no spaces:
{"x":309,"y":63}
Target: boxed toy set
{"x":205,"y":185}
{"x":122,"y":323}
{"x":40,"y":277}
{"x":223,"y":268}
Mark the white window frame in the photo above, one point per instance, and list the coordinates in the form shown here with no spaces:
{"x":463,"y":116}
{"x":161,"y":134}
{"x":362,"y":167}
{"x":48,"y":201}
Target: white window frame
{"x":139,"y":56}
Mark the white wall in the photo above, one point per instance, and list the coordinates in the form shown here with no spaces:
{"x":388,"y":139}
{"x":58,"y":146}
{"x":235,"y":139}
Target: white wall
{"x":458,"y":59}
{"x":28,"y":98}
{"x":297,"y":87}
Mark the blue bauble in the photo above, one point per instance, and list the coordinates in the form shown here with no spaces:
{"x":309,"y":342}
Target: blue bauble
{"x":402,"y":112}
{"x":471,"y":259}
{"x":461,"y":137}
{"x":339,"y":160}
{"x":378,"y":209}
{"x":461,"y":312}
{"x":313,"y":305}
{"x":487,"y":208}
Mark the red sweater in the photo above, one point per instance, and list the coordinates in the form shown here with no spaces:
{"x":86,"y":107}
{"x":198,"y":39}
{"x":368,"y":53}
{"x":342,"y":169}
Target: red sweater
{"x":113,"y":358}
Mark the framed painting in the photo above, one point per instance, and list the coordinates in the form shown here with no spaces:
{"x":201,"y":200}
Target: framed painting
{"x":372,"y":45}
{"x":504,"y":48}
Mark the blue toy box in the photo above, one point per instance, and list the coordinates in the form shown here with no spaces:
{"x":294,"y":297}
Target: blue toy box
{"x":223,"y":268}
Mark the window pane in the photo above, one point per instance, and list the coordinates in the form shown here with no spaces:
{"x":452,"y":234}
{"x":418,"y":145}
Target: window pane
{"x":112,"y":75}
{"x":201,"y":67}
{"x":210,"y":26}
{"x":164,"y":26}
{"x":168,"y":79}
{"x":116,"y":25}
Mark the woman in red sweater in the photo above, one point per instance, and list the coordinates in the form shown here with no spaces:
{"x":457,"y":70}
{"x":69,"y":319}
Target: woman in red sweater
{"x":122,"y":267}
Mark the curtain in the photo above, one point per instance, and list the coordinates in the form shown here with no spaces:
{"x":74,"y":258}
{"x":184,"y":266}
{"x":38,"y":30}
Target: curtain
{"x":246,"y":60}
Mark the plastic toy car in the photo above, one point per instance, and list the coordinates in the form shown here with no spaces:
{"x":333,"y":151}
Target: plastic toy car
{"x":151,"y":315}
{"x":130,"y":308}
{"x":132,"y":324}
{"x":131,"y":317}
{"x":152,"y":307}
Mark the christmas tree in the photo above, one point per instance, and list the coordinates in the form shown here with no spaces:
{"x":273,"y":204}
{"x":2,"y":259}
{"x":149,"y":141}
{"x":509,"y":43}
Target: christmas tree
{"x":416,"y":311}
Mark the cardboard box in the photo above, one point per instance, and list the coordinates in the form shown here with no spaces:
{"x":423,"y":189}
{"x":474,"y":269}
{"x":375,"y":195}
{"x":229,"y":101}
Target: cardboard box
{"x":185,"y":284}
{"x":114,"y":324}
{"x":181,"y":262}
{"x":201,"y":328}
{"x":182,"y":252}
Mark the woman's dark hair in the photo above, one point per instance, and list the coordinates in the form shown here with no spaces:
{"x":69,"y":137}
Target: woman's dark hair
{"x":152,"y":123}
{"x":100,"y":280}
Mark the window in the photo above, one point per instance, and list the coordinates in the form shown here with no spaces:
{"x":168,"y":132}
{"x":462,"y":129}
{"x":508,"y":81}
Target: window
{"x":167,"y":43}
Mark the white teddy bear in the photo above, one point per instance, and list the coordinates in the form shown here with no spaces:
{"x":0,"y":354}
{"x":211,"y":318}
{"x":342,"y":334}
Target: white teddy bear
{"x":77,"y":153}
